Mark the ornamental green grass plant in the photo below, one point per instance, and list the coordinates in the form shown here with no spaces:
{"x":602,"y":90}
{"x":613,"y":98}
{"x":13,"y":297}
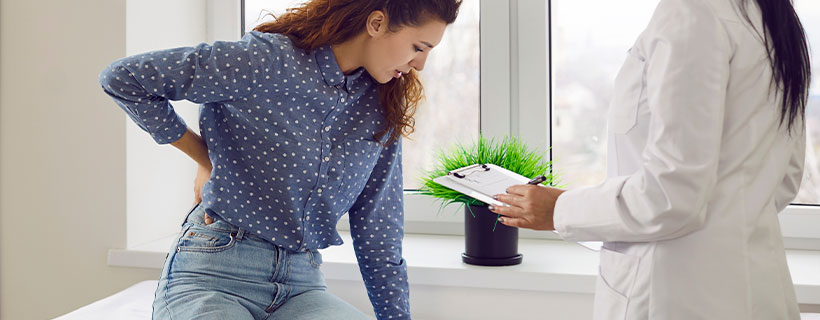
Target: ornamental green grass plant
{"x":509,"y":153}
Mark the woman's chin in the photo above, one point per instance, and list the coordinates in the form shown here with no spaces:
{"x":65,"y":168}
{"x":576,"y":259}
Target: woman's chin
{"x":384,"y":79}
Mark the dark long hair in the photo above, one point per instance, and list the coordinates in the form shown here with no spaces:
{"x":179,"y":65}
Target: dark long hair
{"x":320,"y":22}
{"x":788,"y":50}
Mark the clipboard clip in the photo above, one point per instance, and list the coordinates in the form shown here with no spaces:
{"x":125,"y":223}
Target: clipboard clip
{"x":470,"y":170}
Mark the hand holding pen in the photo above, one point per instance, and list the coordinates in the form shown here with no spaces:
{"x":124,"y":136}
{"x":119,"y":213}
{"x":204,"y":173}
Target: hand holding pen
{"x":528,"y":207}
{"x":537,"y":180}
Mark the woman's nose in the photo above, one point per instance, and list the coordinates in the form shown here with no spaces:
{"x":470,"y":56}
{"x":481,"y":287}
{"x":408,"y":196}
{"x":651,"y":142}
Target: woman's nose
{"x":418,"y":63}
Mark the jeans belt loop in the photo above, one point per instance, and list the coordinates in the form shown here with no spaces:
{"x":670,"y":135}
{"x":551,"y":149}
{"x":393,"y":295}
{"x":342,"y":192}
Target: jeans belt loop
{"x":240,"y":234}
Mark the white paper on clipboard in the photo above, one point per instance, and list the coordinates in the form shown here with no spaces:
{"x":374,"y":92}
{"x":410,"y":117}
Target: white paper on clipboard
{"x":483,"y":181}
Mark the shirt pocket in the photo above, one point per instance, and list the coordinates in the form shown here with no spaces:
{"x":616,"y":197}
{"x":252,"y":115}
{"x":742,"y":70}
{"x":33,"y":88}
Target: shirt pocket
{"x":358,"y":159}
{"x":617,"y":272}
{"x":629,"y":88}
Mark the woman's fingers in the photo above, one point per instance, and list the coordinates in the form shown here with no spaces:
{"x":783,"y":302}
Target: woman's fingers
{"x":529,"y":206}
{"x":514,"y":222}
{"x":208,"y":219}
{"x":512,"y":200}
{"x":509,"y":211}
{"x":203,"y":173}
{"x":520,"y":190}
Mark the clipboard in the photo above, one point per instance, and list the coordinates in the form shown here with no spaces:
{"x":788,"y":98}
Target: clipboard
{"x":483,"y":181}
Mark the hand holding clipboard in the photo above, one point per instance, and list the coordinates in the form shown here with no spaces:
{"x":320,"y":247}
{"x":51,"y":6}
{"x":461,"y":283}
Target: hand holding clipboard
{"x":483,"y":181}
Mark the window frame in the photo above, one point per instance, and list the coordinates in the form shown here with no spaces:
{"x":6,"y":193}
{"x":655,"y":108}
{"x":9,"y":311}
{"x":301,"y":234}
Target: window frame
{"x":514,"y":33}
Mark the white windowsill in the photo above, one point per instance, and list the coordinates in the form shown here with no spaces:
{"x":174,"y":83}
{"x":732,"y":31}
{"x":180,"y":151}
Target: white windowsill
{"x":435,"y":260}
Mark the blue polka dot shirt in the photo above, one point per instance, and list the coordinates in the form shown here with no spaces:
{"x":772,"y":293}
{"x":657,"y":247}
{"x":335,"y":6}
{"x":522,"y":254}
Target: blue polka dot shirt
{"x":291,"y":141}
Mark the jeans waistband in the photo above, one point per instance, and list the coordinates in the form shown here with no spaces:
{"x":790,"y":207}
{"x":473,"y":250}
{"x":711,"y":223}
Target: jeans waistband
{"x":197,"y":216}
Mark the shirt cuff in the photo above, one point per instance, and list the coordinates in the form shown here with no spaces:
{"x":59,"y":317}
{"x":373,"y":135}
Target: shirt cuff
{"x":170,"y":130}
{"x":561,"y":210}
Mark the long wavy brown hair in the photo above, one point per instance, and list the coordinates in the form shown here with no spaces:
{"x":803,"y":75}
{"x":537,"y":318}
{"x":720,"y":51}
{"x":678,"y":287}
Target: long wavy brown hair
{"x":321,"y":22}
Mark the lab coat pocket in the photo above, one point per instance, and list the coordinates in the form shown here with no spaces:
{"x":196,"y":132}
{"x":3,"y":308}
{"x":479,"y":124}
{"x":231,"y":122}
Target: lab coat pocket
{"x":616,"y":277}
{"x":629,"y":87}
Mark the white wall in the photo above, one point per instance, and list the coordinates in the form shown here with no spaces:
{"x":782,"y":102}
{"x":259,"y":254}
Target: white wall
{"x":160,"y":191}
{"x":62,"y":157}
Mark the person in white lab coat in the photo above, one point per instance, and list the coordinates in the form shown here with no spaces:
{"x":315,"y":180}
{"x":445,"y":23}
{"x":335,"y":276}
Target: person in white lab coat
{"x":706,"y":146}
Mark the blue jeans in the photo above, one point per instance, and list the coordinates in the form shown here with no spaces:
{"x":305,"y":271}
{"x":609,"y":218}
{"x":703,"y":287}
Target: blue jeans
{"x":219,"y":271}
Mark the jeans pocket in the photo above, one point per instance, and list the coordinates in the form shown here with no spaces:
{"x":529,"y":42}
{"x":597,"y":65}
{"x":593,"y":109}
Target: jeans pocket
{"x":315,"y":258}
{"x":199,"y":238}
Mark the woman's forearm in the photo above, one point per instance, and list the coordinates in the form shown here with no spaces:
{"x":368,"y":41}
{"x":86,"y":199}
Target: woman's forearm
{"x":193,"y":145}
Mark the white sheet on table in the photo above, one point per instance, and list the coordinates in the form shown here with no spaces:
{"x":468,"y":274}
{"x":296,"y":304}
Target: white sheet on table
{"x":133,"y":303}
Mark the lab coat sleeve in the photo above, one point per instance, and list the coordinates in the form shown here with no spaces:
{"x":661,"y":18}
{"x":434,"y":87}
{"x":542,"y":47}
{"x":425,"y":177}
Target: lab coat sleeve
{"x":793,"y":176}
{"x":688,"y":52}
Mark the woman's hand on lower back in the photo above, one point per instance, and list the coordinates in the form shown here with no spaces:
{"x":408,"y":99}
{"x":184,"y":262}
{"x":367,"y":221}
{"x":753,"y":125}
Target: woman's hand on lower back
{"x":192,"y":144}
{"x":203,"y":173}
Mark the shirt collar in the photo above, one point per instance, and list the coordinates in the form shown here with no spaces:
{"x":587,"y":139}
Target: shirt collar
{"x":331,"y":71}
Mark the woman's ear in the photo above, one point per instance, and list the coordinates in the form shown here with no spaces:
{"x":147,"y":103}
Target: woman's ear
{"x":376,"y":23}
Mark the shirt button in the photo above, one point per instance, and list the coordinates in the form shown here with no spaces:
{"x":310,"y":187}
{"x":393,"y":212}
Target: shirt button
{"x":327,"y":159}
{"x":327,"y":128}
{"x":319,"y":190}
{"x":343,"y":99}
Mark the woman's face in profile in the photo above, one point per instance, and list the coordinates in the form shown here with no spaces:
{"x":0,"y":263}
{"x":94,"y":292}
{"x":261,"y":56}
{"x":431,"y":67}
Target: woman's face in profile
{"x":392,"y":54}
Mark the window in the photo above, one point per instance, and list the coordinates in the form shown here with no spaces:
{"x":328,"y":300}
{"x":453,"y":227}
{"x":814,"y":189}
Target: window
{"x":588,"y":48}
{"x":585,"y":57}
{"x":809,"y":12}
{"x":505,"y":84}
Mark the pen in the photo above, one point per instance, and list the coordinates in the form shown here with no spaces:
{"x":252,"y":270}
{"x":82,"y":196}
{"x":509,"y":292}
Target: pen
{"x":537,"y":180}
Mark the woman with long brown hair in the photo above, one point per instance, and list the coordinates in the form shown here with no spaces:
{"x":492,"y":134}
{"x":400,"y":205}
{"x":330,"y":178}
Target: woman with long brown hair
{"x":300,"y":123}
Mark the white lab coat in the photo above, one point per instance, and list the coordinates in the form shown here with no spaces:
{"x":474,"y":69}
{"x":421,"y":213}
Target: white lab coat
{"x":698,"y":171}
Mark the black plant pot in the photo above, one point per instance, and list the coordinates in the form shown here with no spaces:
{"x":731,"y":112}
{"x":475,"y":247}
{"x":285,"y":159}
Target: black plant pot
{"x":485,"y":246}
